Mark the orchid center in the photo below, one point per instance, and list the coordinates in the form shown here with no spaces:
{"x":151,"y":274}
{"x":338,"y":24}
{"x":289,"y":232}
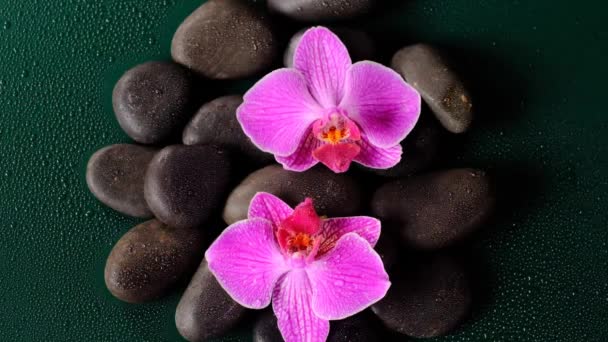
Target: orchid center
{"x":340,"y":137}
{"x":298,"y":232}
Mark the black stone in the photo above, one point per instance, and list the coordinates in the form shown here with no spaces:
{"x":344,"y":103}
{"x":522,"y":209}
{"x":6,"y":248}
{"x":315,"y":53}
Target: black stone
{"x":185,"y":184}
{"x":430,"y":298}
{"x":437,"y":209}
{"x":115,"y":175}
{"x":266,"y":328}
{"x":225,"y":39}
{"x":334,"y":195}
{"x":429,"y":71}
{"x":205,"y":309}
{"x":150,"y":259}
{"x":216,"y":123}
{"x":420,"y":149}
{"x":388,"y":249}
{"x":153,"y":101}
{"x":359,"y":44}
{"x":307,"y":10}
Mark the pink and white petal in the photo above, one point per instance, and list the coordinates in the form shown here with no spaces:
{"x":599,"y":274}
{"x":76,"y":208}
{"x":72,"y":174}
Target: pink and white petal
{"x":302,"y":159}
{"x":334,"y":228}
{"x":348,"y":279}
{"x":247,"y":263}
{"x":378,"y":157}
{"x":324,"y":61}
{"x":381,"y":102}
{"x":291,"y":302}
{"x":270,"y":207}
{"x":277,"y":112}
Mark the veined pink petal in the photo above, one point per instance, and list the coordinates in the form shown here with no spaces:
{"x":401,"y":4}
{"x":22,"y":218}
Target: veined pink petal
{"x":324,"y":60}
{"x":302,"y":159}
{"x":269,"y":207}
{"x":291,"y":302}
{"x":334,"y":228}
{"x":247,"y":262}
{"x":277,"y":112}
{"x":378,"y":157}
{"x":381,"y":102}
{"x":348,"y":279}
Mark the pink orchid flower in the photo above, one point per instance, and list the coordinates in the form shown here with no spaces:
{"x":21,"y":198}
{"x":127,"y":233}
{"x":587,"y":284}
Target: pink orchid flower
{"x":313,"y":269}
{"x":326,"y":109}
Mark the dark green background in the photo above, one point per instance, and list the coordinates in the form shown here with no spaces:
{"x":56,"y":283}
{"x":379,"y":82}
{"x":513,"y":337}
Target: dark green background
{"x":538,"y":69}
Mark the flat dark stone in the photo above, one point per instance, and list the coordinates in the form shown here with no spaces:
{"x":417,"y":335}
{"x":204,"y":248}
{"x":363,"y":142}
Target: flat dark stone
{"x":429,"y":298}
{"x":216,"y":124}
{"x":153,"y":101}
{"x":438,"y":209}
{"x":225,"y":39}
{"x":150,"y":259}
{"x":334,"y":195}
{"x":185,"y":184}
{"x":307,"y":10}
{"x":420,"y":149}
{"x":206,"y":310}
{"x":115,"y":175}
{"x":429,"y":71}
{"x":360,"y":45}
{"x":266,"y":328}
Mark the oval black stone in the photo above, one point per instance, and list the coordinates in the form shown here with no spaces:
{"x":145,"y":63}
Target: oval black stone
{"x":185,"y":184}
{"x":150,"y":259}
{"x":153,"y":101}
{"x":115,"y":175}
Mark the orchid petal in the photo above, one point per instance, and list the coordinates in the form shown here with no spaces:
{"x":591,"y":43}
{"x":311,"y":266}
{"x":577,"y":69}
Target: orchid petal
{"x":277,"y":112}
{"x":269,"y":207}
{"x":337,"y":157}
{"x":247,"y":262}
{"x":381,"y":102}
{"x":324,"y":61}
{"x":348,"y":279}
{"x":378,"y":157}
{"x":291,"y":302}
{"x":302,"y":159}
{"x":334,"y":228}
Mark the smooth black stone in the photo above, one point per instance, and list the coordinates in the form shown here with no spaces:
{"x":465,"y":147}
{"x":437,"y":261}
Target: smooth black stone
{"x":430,"y":298}
{"x":266,"y":328}
{"x":359,"y":44}
{"x":150,"y":259}
{"x":153,"y":100}
{"x":357,"y":328}
{"x":420,"y":149}
{"x":388,"y":249}
{"x":205,"y":309}
{"x":185,"y":184}
{"x":216,"y":124}
{"x":438,"y":209}
{"x":334,"y":195}
{"x":225,"y":39}
{"x":307,"y":10}
{"x":427,"y":70}
{"x":115,"y":175}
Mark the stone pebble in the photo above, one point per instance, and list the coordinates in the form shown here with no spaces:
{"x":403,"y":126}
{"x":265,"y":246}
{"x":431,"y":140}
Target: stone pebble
{"x":153,"y":101}
{"x":150,"y":259}
{"x":438,"y":209}
{"x":334,"y":195}
{"x":225,"y":39}
{"x":184,"y":185}
{"x":429,"y":71}
{"x":115,"y":176}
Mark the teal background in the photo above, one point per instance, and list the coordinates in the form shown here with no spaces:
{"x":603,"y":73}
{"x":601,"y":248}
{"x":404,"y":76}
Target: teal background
{"x":538,"y":69}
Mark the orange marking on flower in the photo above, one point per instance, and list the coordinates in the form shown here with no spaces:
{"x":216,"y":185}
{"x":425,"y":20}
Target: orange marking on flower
{"x":334,"y":135}
{"x":300,"y":242}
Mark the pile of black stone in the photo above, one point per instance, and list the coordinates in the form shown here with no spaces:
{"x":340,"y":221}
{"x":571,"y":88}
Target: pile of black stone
{"x":183,"y":186}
